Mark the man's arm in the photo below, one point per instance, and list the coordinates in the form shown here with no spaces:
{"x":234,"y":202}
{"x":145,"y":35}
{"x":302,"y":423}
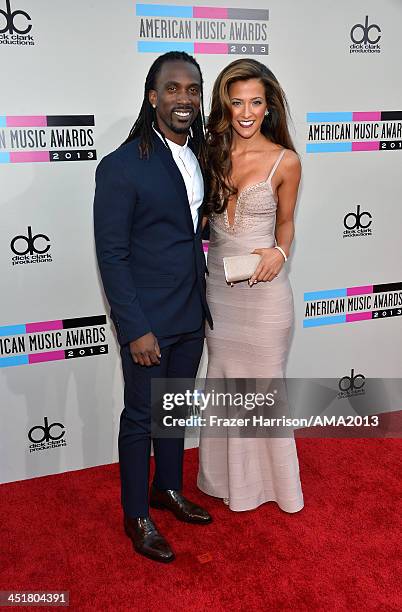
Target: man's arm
{"x":114,"y":205}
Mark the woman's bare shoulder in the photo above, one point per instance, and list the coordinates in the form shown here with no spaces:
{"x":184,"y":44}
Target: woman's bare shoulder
{"x":291,"y":161}
{"x":291,"y":156}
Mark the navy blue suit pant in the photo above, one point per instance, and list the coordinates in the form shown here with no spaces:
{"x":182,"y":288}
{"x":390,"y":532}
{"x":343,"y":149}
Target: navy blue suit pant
{"x":180,"y":359}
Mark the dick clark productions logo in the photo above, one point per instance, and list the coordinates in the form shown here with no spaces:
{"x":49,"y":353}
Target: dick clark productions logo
{"x":351,"y":385}
{"x":30,"y":248}
{"x":357,"y":223}
{"x":365,"y":37}
{"x":46,"y":436}
{"x":15,"y":26}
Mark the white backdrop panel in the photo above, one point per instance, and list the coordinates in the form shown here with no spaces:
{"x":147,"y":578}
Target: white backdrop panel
{"x":85,"y":62}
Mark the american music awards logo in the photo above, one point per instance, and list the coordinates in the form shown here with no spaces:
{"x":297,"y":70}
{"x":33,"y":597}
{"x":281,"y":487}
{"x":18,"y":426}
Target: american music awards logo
{"x":352,"y":304}
{"x":347,"y":132}
{"x":215,"y":30}
{"x":46,"y":138}
{"x":15,"y":24}
{"x":57,"y":340}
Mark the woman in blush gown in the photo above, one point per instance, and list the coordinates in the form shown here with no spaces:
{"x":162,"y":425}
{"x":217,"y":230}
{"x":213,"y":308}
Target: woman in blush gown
{"x":253,"y":185}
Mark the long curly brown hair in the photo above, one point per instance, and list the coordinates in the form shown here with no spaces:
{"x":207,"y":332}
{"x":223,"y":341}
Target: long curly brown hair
{"x":219,"y":129}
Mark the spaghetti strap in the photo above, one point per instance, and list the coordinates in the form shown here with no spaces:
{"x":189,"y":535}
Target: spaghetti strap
{"x":276,"y":164}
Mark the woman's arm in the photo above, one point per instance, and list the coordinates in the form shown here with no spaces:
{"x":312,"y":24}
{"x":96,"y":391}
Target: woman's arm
{"x":272,"y":260}
{"x":287,"y":196}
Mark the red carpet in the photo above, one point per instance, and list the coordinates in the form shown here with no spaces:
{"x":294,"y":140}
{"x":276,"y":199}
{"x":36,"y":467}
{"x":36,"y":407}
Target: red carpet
{"x":341,"y":552}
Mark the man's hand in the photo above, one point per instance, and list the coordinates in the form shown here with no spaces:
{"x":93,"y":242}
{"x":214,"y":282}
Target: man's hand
{"x":145,"y":350}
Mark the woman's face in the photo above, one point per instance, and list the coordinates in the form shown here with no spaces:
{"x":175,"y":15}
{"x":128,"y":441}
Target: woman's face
{"x":248,"y":104}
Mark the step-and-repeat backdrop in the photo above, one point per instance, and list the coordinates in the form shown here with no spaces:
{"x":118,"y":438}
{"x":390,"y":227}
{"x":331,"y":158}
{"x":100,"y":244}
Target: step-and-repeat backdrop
{"x":71,"y":87}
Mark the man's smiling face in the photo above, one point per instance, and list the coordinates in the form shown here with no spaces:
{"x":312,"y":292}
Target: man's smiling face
{"x":177,"y":96}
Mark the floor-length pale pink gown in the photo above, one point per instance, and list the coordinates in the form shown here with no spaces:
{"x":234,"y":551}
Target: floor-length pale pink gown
{"x":250,"y":339}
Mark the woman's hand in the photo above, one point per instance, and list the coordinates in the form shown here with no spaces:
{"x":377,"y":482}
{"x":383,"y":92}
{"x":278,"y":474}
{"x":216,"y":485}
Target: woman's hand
{"x":269,"y":267}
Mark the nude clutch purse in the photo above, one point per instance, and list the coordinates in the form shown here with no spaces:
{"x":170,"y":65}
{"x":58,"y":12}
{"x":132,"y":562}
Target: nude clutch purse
{"x":240,"y":267}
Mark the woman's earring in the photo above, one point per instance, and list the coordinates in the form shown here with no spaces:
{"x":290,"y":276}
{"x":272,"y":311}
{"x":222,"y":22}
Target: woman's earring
{"x":266,"y":114}
{"x":153,"y":105}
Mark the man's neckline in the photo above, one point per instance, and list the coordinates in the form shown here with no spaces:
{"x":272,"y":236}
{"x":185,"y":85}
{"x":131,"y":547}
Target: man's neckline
{"x":174,"y":144}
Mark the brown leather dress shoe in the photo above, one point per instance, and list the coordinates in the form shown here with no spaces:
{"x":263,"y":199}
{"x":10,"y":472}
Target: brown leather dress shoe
{"x":147,"y":540}
{"x":182,"y":508}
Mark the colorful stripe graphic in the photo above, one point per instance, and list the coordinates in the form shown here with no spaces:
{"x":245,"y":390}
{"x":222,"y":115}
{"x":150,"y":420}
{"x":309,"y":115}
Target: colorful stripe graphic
{"x":6,"y":362}
{"x":354,"y":116}
{"x":149,"y":46}
{"x":19,"y":157}
{"x":88,"y":351}
{"x":200,"y":12}
{"x":8,"y":121}
{"x":42,"y":326}
{"x":50,"y":356}
{"x":342,"y":293}
{"x":341,"y":147}
{"x":351,"y":117}
{"x":358,"y":290}
{"x":29,"y":156}
{"x":324,"y":321}
{"x":45,"y":326}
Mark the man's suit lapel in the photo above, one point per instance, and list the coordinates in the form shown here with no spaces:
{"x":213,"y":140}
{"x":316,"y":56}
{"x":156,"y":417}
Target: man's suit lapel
{"x":175,"y":177}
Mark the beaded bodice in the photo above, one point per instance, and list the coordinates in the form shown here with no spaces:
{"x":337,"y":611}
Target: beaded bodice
{"x":255,"y":208}
{"x":256,"y":205}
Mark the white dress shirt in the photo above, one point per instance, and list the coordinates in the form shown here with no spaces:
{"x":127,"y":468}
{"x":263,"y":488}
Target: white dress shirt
{"x":190,"y":170}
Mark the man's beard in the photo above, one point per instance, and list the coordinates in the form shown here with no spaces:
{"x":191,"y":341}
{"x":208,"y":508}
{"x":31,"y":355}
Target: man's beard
{"x":179,"y":130}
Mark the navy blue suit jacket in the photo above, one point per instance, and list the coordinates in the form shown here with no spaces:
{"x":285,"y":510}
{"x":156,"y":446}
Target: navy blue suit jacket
{"x":151,"y":262}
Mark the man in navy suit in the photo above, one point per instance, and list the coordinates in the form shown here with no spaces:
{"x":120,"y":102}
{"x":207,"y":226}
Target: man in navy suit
{"x":148,"y":241}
